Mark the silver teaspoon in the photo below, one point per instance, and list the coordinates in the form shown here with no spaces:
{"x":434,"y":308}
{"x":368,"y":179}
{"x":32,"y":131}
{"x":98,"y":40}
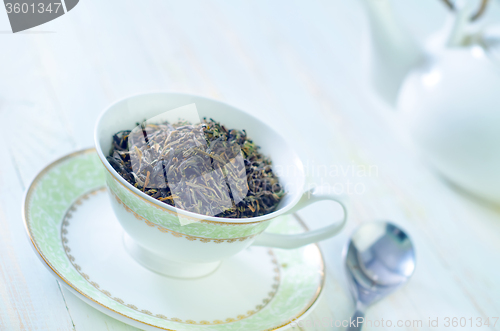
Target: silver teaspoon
{"x":379,"y":258}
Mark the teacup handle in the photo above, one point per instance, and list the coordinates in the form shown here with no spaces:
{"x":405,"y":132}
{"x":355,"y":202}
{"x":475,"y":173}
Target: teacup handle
{"x":289,"y":241}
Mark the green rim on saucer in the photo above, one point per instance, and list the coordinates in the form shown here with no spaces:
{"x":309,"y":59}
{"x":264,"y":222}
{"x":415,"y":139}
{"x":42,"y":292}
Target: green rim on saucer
{"x":63,"y":182}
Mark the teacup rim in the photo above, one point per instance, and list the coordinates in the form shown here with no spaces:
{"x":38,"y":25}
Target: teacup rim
{"x":162,"y":205}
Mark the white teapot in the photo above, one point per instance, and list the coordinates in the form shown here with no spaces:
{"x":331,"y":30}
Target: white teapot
{"x":448,"y":94}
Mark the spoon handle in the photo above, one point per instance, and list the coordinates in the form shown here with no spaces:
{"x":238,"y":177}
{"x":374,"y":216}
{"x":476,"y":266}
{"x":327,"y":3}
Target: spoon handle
{"x":355,"y":323}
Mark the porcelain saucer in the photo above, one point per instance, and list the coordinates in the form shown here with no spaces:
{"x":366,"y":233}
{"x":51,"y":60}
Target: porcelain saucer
{"x":73,"y":229}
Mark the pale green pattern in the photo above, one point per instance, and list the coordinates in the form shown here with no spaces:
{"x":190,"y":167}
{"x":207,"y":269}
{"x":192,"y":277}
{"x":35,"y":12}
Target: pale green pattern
{"x":53,"y":193}
{"x":170,"y":221}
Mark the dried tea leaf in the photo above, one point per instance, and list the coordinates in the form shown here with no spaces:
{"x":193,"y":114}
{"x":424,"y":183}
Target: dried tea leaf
{"x":203,"y":168}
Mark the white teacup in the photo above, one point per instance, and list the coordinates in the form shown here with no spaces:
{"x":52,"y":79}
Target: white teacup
{"x":154,"y":235}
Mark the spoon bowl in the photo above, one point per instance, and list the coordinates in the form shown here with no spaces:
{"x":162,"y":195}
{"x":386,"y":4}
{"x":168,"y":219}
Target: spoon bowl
{"x":379,"y":258}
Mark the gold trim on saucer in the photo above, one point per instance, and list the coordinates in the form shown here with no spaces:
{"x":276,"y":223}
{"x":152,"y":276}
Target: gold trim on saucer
{"x":178,"y":234}
{"x":67,"y":249}
{"x":27,"y":225}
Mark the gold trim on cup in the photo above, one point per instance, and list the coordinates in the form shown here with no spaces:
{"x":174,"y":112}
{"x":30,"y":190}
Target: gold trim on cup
{"x":171,"y":211}
{"x":174,"y":233}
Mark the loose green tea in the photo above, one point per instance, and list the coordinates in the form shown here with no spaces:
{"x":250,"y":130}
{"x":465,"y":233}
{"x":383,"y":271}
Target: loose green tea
{"x":203,"y":168}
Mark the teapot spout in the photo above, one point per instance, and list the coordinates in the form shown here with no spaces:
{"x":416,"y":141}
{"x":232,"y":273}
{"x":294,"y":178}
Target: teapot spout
{"x":393,"y":51}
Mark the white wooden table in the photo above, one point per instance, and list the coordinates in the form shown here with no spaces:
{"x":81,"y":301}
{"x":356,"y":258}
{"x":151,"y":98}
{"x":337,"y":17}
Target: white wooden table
{"x":296,"y":65}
